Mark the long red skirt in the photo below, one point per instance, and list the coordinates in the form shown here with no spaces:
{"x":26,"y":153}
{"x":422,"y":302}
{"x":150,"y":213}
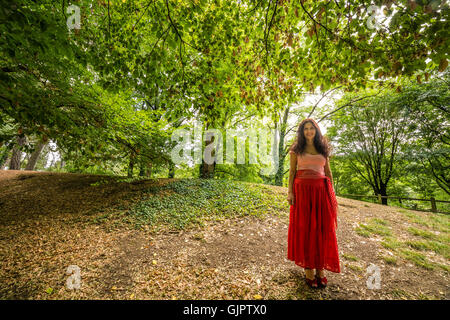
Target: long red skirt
{"x":312,"y":239}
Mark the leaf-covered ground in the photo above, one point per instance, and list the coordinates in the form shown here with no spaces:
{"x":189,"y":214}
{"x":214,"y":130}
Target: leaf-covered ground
{"x":194,"y":239}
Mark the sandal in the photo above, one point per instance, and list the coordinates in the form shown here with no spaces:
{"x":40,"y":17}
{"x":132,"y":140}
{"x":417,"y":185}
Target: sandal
{"x":311,"y":283}
{"x":321,"y":281}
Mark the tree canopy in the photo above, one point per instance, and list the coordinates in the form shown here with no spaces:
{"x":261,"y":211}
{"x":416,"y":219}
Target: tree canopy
{"x":114,"y":87}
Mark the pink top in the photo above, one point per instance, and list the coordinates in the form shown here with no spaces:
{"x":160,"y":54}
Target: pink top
{"x":311,"y":161}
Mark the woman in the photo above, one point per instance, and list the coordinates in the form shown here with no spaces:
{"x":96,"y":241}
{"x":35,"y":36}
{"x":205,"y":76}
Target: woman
{"x":312,"y":240}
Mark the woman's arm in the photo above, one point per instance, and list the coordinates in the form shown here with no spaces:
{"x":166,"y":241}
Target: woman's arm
{"x":328,"y":170}
{"x":292,"y":170}
{"x":292,"y":173}
{"x":329,"y":175}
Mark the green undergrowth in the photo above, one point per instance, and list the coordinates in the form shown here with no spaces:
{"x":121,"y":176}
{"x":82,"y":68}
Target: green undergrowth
{"x":349,"y":257}
{"x":390,"y":260}
{"x":430,"y":235}
{"x":436,"y":221}
{"x":374,"y":226}
{"x":189,"y":202}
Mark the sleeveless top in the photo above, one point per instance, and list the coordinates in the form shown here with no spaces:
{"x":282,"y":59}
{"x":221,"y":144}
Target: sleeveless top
{"x":311,"y":161}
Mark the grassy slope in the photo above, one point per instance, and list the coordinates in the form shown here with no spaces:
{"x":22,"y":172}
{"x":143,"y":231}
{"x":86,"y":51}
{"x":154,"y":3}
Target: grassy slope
{"x":43,"y":209}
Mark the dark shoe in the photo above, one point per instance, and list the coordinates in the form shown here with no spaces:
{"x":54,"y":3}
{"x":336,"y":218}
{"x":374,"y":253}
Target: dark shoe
{"x":311,"y":283}
{"x":321,"y":281}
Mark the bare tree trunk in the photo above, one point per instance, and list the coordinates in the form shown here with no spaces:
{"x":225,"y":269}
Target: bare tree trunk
{"x":35,"y":155}
{"x":4,"y":158}
{"x":145,"y":168}
{"x":207,"y":170}
{"x":52,"y":163}
{"x":17,"y":154}
{"x":4,"y":164}
{"x":148,"y":170}
{"x":171,"y":169}
{"x":282,"y":125}
{"x":131,"y":165}
{"x":141,"y":168}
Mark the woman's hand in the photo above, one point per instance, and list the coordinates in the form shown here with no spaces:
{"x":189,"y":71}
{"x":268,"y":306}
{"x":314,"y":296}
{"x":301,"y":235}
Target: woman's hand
{"x":291,"y":198}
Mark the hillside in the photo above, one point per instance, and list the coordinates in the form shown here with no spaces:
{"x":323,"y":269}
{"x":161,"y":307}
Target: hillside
{"x":194,"y":239}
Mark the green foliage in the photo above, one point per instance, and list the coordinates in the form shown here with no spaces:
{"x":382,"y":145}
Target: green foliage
{"x":437,"y":221}
{"x":402,"y":294}
{"x":110,"y":93}
{"x":429,"y":235}
{"x":438,"y":247}
{"x":391,"y":243}
{"x":390,"y":260}
{"x":434,"y":239}
{"x":418,"y":258}
{"x":186,"y":202}
{"x":374,"y":226}
{"x":394,"y":142}
{"x":350,"y":257}
{"x":355,"y":268}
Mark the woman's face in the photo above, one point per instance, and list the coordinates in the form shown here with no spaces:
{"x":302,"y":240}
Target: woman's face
{"x":309,"y":131}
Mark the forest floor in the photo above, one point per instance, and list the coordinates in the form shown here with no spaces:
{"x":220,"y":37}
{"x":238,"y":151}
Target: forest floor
{"x":49,"y":221}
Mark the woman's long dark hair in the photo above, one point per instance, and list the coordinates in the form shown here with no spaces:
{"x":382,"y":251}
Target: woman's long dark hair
{"x":320,"y":141}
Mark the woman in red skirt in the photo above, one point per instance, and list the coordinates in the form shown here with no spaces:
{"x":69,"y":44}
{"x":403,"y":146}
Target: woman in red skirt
{"x":312,"y":242}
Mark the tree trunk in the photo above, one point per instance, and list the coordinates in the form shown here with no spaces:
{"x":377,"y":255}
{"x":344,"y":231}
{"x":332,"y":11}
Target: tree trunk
{"x":53,"y":162}
{"x":281,"y":153}
{"x":383,"y":193}
{"x":4,"y":158}
{"x":17,"y":154}
{"x":5,"y":163}
{"x":141,"y":169}
{"x":280,"y":170}
{"x":171,"y":169}
{"x":131,"y":166}
{"x":148,"y":170}
{"x":207,"y":170}
{"x":35,"y":155}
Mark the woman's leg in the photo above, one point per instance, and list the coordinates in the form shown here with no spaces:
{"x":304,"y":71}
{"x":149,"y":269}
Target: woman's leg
{"x":320,"y":273}
{"x":309,"y":273}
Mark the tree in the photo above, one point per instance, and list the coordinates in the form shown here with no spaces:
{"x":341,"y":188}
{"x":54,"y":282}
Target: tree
{"x":427,"y":105}
{"x":326,"y":43}
{"x":35,"y":155}
{"x":372,"y":133}
{"x":16,"y":157}
{"x":207,"y":59}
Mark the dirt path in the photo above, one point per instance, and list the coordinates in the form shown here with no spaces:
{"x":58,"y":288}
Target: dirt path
{"x":46,"y":225}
